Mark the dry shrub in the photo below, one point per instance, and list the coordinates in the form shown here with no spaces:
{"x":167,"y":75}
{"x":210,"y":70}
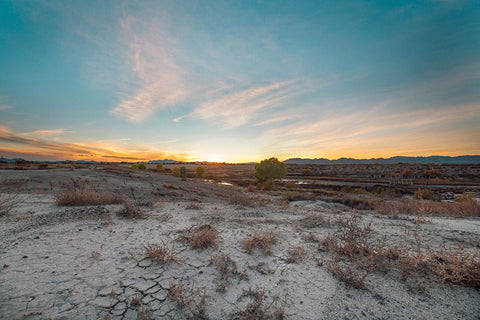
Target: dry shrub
{"x":328,"y":243}
{"x":457,"y":267}
{"x":466,"y":197}
{"x":201,"y":237}
{"x":251,"y":188}
{"x":228,"y":268}
{"x":161,"y":253}
{"x":298,"y":196}
{"x":408,"y":207}
{"x":194,"y":206}
{"x":296,"y":254}
{"x":81,"y":192}
{"x":260,"y":240}
{"x":240,"y":200}
{"x":354,"y":238}
{"x":129,"y":211}
{"x":96,"y":255}
{"x":7,"y":203}
{"x":259,"y":309}
{"x":143,"y":313}
{"x":426,"y":194}
{"x":313,"y":221}
{"x":355,"y":202}
{"x":353,"y":275}
{"x":193,"y":300}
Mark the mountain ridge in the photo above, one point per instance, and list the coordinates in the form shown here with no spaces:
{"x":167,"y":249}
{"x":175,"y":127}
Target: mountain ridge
{"x":465,"y":159}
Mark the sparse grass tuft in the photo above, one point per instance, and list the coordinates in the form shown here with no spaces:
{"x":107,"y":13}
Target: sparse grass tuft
{"x":129,"y":211}
{"x":263,"y":241}
{"x":228,"y":268}
{"x":161,"y":253}
{"x":313,"y":221}
{"x":258,"y":309}
{"x":194,"y":206}
{"x":79,"y":192}
{"x":96,"y":255}
{"x":201,"y":237}
{"x":414,"y":207}
{"x":191,"y":299}
{"x":296,"y":254}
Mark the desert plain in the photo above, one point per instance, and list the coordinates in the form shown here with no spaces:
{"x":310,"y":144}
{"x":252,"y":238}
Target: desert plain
{"x":327,"y":242}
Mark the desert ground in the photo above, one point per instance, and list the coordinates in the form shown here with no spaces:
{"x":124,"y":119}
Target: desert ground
{"x":327,"y":242}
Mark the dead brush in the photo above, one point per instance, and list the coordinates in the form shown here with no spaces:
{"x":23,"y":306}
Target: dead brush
{"x":413,"y":207}
{"x":354,"y":238}
{"x":79,"y":192}
{"x":7,"y":203}
{"x":296,"y":254}
{"x":456,"y":266}
{"x":193,"y":300}
{"x":258,"y":240}
{"x":161,"y":254}
{"x":240,"y":200}
{"x":313,"y":221}
{"x":328,"y":243}
{"x":129,"y":211}
{"x":353,"y":274}
{"x":201,"y":237}
{"x":258,"y":309}
{"x":228,"y":269}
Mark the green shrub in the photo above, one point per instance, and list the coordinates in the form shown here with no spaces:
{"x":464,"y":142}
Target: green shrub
{"x":183,"y":173}
{"x":200,"y":172}
{"x":160,"y":167}
{"x":142,"y":166}
{"x":270,"y":169}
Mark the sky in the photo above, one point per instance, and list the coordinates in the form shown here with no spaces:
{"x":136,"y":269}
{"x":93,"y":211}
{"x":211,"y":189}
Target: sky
{"x":238,"y":81}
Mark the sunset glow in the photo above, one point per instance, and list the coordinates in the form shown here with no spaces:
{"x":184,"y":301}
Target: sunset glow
{"x":238,"y":81}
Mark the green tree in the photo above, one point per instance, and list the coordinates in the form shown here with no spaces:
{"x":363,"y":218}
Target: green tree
{"x":269,"y":169}
{"x":183,"y":173}
{"x":200,"y":172}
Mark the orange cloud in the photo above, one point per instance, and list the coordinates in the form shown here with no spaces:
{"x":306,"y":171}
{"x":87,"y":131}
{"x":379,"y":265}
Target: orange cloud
{"x":21,"y":144}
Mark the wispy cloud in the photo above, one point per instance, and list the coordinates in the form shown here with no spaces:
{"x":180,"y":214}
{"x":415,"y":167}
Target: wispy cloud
{"x":5,"y":107}
{"x":44,"y":133}
{"x":152,"y":56}
{"x":178,"y":119}
{"x":233,"y":109}
{"x":274,"y":120}
{"x":378,"y":128}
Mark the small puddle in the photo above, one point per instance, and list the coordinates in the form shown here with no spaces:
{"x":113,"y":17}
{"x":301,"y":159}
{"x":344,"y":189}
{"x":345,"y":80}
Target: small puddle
{"x":223,"y":183}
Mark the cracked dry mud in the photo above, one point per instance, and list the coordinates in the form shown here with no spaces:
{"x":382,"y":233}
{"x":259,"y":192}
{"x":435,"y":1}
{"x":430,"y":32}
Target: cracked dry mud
{"x":87,"y":263}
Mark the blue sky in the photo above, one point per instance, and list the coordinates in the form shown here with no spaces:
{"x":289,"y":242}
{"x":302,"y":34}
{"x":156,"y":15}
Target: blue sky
{"x":238,"y":80}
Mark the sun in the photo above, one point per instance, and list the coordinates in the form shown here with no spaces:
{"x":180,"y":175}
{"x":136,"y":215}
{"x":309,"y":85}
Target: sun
{"x":214,"y":158}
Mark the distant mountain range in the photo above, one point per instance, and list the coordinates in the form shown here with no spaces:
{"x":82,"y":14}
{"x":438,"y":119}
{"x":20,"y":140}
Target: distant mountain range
{"x":392,"y":160}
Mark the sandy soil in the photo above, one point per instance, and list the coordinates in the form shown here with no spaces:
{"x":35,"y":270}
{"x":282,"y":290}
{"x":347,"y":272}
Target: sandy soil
{"x":87,"y":263}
